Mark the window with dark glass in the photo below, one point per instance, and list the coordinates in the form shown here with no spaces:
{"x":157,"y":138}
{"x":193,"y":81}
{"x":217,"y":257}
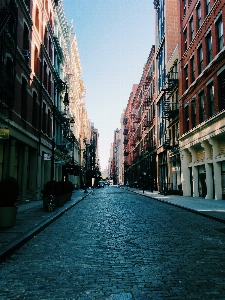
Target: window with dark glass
{"x":186,"y":76}
{"x":221,"y":90}
{"x":24,"y":99}
{"x":200,"y":60}
{"x":186,"y":112}
{"x":35,"y":110}
{"x":44,"y":118}
{"x":45,"y":75}
{"x":192,"y":64}
{"x":201,"y":106}
{"x":26,"y":41}
{"x":193,"y":113}
{"x":185,"y":40}
{"x":209,"y":47}
{"x":191,"y":29}
{"x":210,"y":92}
{"x":207,"y":7}
{"x":199,"y":16}
{"x":185,"y":6}
{"x":50,"y":83}
{"x":220,"y":38}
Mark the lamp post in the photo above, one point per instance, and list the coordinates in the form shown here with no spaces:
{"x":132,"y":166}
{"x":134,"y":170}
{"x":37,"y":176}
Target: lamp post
{"x":144,"y":182}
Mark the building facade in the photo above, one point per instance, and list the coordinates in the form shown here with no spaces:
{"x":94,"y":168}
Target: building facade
{"x":139,"y":130}
{"x":201,"y":89}
{"x":42,"y":111}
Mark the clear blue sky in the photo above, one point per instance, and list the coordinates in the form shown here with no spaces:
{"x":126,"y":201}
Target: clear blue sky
{"x":114,"y":40}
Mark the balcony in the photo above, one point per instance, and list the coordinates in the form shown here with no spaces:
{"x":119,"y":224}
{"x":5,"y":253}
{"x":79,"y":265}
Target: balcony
{"x":125,"y":141}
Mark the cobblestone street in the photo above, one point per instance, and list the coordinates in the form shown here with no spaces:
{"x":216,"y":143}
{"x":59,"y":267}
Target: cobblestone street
{"x":119,"y":245}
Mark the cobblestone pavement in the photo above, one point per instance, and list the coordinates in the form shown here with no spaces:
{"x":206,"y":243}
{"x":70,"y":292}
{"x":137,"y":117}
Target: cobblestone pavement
{"x":117,"y":245}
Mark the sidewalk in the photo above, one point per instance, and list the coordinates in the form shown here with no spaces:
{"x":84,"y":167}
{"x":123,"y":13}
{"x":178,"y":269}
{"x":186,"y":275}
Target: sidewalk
{"x":32,"y":217}
{"x":30,"y":220}
{"x":214,"y":209}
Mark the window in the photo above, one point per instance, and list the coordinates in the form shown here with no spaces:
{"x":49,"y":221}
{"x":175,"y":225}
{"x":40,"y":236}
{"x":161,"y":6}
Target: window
{"x":44,"y":118}
{"x":210,"y":92}
{"x":37,"y":19}
{"x":36,"y":61}
{"x":200,"y":60}
{"x":24,"y":99}
{"x":201,"y":106}
{"x":209,"y":47}
{"x":45,"y":75}
{"x":50,"y":83}
{"x":192,"y":64}
{"x":186,"y":118}
{"x":185,"y":40}
{"x":25,"y":38}
{"x":220,"y":39}
{"x":186,"y":76}
{"x":185,"y":6}
{"x":221,"y":90}
{"x":193,"y":113}
{"x":35,"y":110}
{"x":207,"y":7}
{"x":199,"y":16}
{"x":191,"y":29}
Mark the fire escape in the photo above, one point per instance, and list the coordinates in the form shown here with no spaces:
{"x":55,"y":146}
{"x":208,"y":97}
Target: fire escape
{"x":8,"y":44}
{"x":170,"y":109}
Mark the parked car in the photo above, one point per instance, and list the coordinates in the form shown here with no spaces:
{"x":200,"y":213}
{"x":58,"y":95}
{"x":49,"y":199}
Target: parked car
{"x":101,"y":184}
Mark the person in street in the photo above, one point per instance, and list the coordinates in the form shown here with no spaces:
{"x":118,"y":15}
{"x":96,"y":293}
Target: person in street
{"x":127,"y":184}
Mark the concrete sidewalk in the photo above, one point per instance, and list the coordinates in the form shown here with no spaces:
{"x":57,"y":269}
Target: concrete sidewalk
{"x":30,"y":220}
{"x":214,"y":209}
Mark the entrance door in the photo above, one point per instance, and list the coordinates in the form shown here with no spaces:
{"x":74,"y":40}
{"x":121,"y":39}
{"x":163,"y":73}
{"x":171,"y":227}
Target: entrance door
{"x":202,"y":185}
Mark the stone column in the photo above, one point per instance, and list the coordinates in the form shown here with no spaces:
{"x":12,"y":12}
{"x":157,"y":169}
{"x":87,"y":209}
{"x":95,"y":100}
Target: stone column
{"x":217,"y":169}
{"x":185,"y":174}
{"x":194,"y":172}
{"x":209,"y":169}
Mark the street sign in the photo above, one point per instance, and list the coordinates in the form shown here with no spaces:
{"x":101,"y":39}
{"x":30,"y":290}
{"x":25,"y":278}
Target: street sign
{"x":47,"y":156}
{"x":4,"y":134}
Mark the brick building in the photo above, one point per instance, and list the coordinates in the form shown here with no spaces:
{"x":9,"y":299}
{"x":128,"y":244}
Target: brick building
{"x":39,"y":101}
{"x":202,"y":98}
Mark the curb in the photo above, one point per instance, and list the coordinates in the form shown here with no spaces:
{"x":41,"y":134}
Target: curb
{"x":9,"y":249}
{"x":183,"y":207}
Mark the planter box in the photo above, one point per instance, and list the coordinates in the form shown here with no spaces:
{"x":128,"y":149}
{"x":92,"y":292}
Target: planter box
{"x":8,"y":216}
{"x":60,"y":200}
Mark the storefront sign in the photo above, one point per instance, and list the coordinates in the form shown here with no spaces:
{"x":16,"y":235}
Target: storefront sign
{"x":4,"y":134}
{"x":47,"y":156}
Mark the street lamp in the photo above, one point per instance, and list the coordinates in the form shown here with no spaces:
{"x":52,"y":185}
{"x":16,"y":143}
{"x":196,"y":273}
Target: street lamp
{"x":144,"y":181}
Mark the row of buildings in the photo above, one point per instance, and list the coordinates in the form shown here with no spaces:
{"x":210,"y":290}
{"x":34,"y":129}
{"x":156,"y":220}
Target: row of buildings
{"x":172,"y":135}
{"x":45,"y":133}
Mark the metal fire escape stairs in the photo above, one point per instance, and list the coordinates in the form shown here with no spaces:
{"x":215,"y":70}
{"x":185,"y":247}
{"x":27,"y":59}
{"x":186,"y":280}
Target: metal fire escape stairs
{"x":167,"y":111}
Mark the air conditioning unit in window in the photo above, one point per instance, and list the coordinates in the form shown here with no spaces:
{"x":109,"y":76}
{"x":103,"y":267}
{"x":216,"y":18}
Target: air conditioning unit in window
{"x":26,"y":54}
